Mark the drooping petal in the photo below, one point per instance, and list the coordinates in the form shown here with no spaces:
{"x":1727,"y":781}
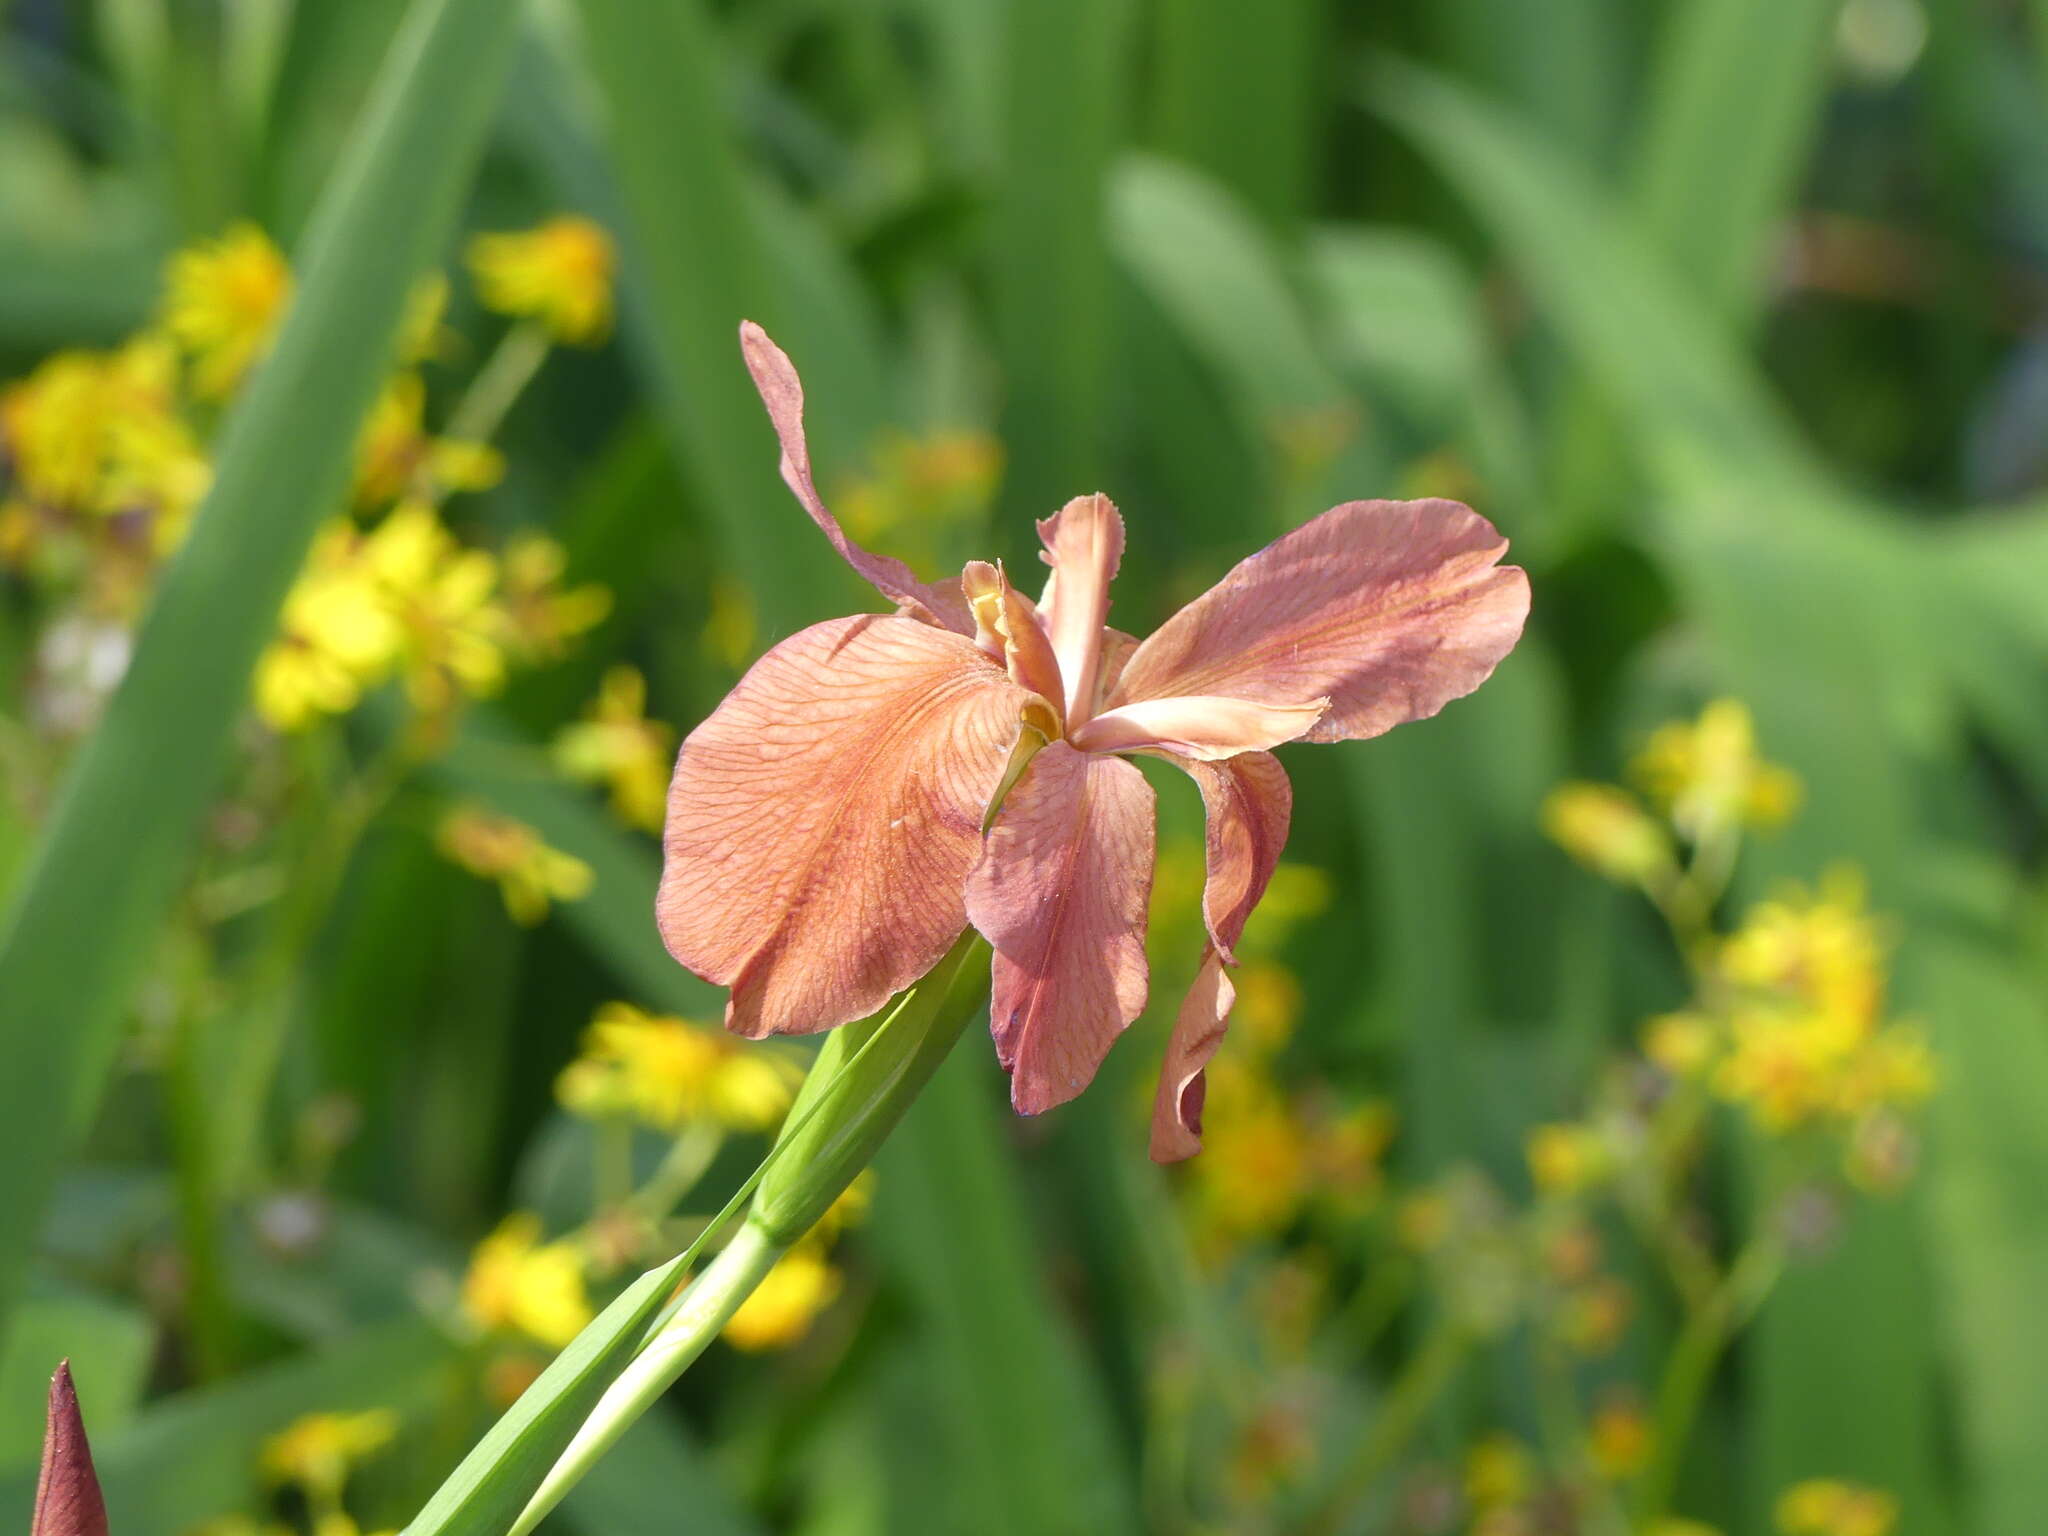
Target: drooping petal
{"x":1389,"y":609}
{"x":1248,"y":802}
{"x":68,"y":1501}
{"x":1183,"y":1080}
{"x":1203,"y":725}
{"x":782,"y":392}
{"x":822,"y":820}
{"x":1084,"y":544}
{"x":1060,"y":892}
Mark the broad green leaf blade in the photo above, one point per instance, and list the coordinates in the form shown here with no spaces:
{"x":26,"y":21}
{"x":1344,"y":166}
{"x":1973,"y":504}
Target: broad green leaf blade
{"x":1686,"y":392}
{"x":85,"y":913}
{"x":1733,"y":105}
{"x":484,"y":1495}
{"x":1063,"y":65}
{"x":1029,"y":1439}
{"x":696,"y":266}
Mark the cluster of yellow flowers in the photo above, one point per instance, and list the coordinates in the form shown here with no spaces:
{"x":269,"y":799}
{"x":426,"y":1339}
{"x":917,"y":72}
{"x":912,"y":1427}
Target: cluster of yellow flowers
{"x":1829,"y":1507}
{"x":314,"y":1457}
{"x":1789,"y":1021}
{"x":1703,"y":779}
{"x":666,"y":1074}
{"x":519,"y":1285}
{"x":530,"y":874}
{"x":616,"y":745}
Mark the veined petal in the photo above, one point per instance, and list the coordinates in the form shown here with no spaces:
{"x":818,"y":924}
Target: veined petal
{"x":1084,"y":544}
{"x":1206,"y":726}
{"x":822,"y":820}
{"x":68,"y":1501}
{"x":1248,"y":802}
{"x":1183,"y":1080}
{"x":782,"y":392}
{"x":1060,"y":892}
{"x":1389,"y":609}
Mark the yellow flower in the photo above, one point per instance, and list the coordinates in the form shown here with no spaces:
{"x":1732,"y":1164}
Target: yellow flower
{"x":1258,"y":1180}
{"x":1498,"y":1472}
{"x":922,"y":484}
{"x":444,"y":597}
{"x":783,"y":1306}
{"x":543,"y":616}
{"x":616,"y":744}
{"x":397,"y":457}
{"x":1567,"y":1159}
{"x":1619,"y":1440}
{"x":1671,"y":1527}
{"x":559,"y":274}
{"x":529,"y":873}
{"x":1822,"y":946}
{"x":1707,"y":774}
{"x":1681,"y":1043}
{"x":668,"y":1074}
{"x":1605,"y":830}
{"x":420,"y":336}
{"x":517,"y":1283}
{"x":1829,"y":1507}
{"x":222,"y":302}
{"x":1348,"y":1155}
{"x":316,"y":1452}
{"x":1786,"y":1064}
{"x":336,"y":637}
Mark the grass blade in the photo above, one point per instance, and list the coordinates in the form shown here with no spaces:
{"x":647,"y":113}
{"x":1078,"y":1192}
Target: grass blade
{"x":84,"y":914}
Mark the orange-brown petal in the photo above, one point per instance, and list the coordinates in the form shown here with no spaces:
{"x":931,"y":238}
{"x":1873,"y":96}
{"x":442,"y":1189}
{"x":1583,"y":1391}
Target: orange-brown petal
{"x":1183,"y":1080}
{"x":782,"y":392}
{"x":1388,"y":609}
{"x":1060,"y":892}
{"x":823,"y":819}
{"x":1008,"y":627}
{"x":1248,"y":804}
{"x":1084,"y":544}
{"x":1204,"y":725}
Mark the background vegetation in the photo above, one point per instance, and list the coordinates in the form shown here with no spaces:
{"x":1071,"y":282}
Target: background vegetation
{"x":1728,"y":312}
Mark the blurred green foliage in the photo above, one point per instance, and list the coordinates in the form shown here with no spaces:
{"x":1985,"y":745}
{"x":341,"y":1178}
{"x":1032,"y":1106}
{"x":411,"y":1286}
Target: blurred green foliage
{"x":1730,"y":313}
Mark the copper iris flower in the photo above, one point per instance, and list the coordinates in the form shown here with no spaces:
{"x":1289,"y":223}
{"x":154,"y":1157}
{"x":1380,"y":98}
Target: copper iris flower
{"x":829,"y":832}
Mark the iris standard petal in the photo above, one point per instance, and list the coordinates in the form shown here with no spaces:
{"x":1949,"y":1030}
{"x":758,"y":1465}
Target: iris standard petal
{"x":1084,"y":544}
{"x":1248,"y":803}
{"x":1204,"y":725}
{"x":68,"y":1501}
{"x":1389,"y":609}
{"x":782,"y":392}
{"x":822,"y":820}
{"x":1060,"y":891}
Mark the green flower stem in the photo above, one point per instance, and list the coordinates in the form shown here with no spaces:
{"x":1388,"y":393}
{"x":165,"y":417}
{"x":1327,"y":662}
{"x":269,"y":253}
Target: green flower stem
{"x":707,"y":1306}
{"x":1689,"y":1370}
{"x":1428,"y":1374}
{"x":865,"y":1077}
{"x":499,"y":384}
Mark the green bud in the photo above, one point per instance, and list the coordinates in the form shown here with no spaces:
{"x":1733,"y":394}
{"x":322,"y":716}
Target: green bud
{"x":871,"y":1071}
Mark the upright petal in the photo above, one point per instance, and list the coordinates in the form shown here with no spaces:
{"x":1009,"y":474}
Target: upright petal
{"x":1084,"y":544}
{"x":1060,"y":891}
{"x":1008,"y":627}
{"x":1248,"y":802}
{"x":1183,"y":1080}
{"x":782,"y":392}
{"x":1388,"y":609}
{"x":68,"y":1499}
{"x":822,"y":820}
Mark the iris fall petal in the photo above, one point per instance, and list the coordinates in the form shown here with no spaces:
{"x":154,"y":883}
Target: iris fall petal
{"x":1060,"y":892}
{"x":823,"y":820}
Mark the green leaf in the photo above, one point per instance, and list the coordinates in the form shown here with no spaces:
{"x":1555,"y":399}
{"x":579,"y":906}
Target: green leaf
{"x":85,"y":913}
{"x":484,"y":1495}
